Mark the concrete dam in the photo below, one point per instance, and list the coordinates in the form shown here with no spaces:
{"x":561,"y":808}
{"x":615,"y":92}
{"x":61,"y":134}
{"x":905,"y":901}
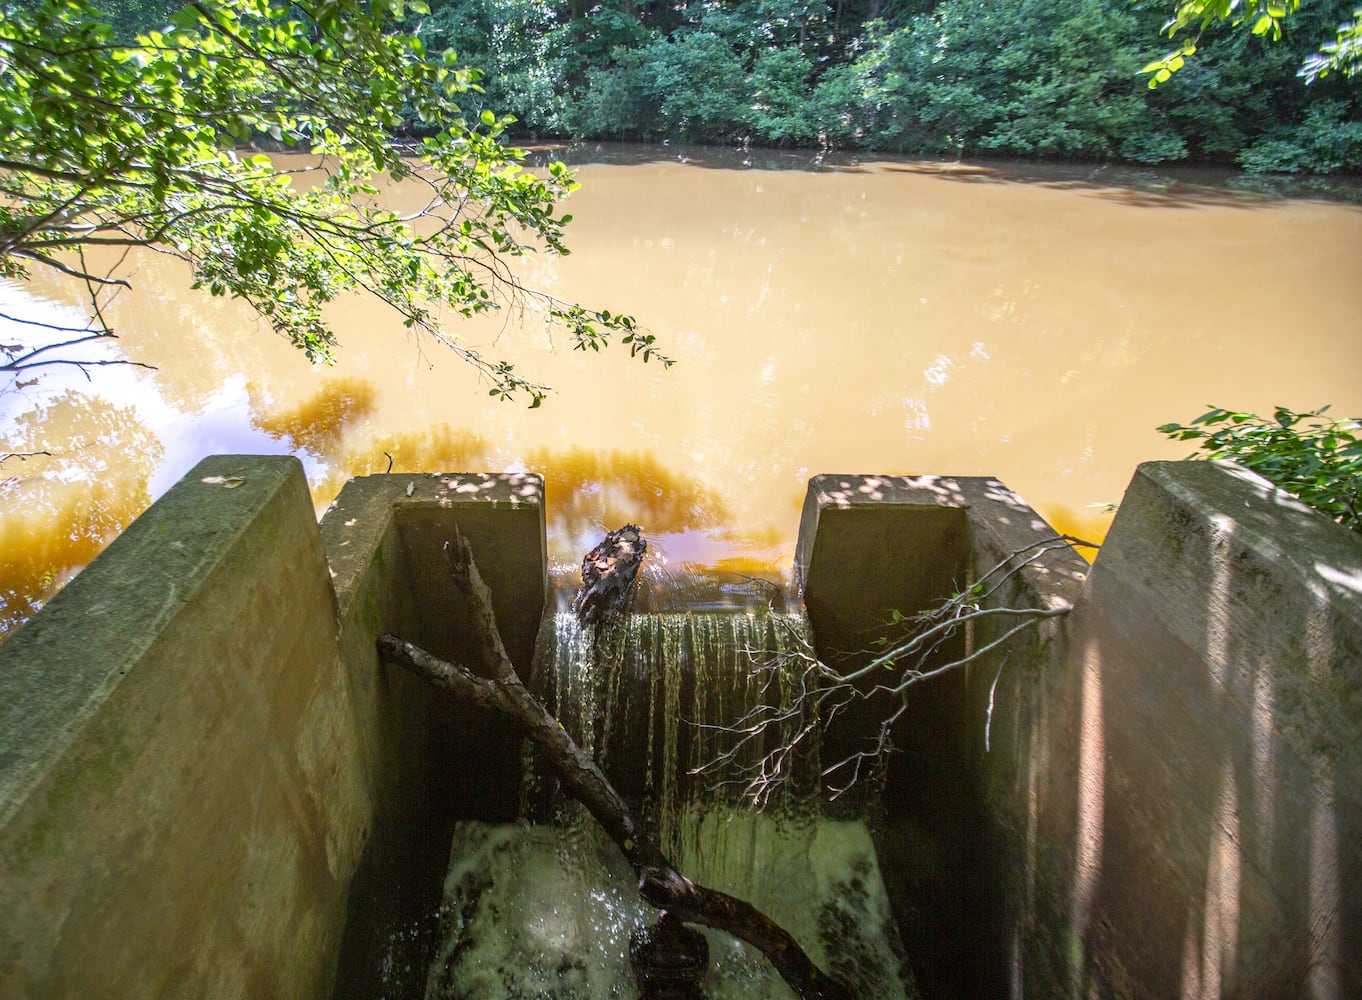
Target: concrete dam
{"x":212,"y":787}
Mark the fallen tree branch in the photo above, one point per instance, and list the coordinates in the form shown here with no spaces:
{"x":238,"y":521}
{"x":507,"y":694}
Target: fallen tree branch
{"x":660,"y":884}
{"x":823,"y":691}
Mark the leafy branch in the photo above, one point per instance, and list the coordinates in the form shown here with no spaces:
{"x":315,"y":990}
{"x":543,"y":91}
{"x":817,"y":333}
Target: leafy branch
{"x":1344,"y":53}
{"x":107,"y":145}
{"x":1309,"y":455}
{"x":1264,"y":18}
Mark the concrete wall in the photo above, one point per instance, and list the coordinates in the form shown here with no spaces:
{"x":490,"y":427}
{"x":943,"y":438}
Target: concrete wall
{"x":432,"y":760}
{"x":949,"y":842}
{"x":1169,"y":803}
{"x":384,"y":536}
{"x":1218,"y":818}
{"x":197,"y":746}
{"x":210,"y":788}
{"x":179,"y":810}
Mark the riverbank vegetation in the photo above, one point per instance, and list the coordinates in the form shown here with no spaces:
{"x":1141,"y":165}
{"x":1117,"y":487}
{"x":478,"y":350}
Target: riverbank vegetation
{"x":1310,"y":455}
{"x":1044,"y":79}
{"x":1028,"y":78}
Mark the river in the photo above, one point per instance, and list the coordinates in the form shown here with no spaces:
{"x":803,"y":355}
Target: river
{"x":1034,"y":324}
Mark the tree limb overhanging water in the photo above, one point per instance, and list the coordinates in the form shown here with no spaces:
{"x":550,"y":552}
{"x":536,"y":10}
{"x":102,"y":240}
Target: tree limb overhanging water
{"x":660,"y":884}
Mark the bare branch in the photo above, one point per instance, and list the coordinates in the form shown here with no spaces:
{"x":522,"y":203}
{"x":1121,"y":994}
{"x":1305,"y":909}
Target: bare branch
{"x":23,"y":456}
{"x":60,"y":328}
{"x":820,"y":692}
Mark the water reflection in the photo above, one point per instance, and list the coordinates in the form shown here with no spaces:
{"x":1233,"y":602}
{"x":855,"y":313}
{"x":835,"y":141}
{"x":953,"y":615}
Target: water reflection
{"x":847,"y":315}
{"x":318,"y":423}
{"x":62,"y":507}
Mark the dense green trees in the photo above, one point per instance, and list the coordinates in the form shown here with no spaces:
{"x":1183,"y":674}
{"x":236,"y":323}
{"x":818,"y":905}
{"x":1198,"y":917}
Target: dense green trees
{"x":1048,"y":78}
{"x":1033,"y":78}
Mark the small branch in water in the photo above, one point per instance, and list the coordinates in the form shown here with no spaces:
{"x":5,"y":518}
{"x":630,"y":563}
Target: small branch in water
{"x":823,"y":691}
{"x":23,"y":456}
{"x":660,"y":884}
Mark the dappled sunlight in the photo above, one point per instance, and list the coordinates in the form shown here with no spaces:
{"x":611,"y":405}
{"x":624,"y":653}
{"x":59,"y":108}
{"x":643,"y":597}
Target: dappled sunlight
{"x":1349,"y":580}
{"x":1327,"y":913}
{"x":1092,"y":779}
{"x":1219,"y":602}
{"x":1220,"y":904}
{"x":1266,"y":751}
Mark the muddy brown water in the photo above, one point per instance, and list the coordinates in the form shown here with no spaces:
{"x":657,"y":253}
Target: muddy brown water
{"x":1034,"y":324}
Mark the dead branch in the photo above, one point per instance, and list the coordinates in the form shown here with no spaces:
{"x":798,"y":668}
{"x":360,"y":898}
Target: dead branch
{"x":660,"y":884}
{"x":23,"y":456}
{"x":824,"y":691}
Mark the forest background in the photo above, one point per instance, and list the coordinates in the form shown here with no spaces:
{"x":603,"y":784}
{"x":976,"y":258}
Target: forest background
{"x":1040,"y":79}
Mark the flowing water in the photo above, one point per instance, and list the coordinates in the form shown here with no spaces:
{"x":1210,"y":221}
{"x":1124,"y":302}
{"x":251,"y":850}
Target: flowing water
{"x":546,"y":909}
{"x":861,"y":316}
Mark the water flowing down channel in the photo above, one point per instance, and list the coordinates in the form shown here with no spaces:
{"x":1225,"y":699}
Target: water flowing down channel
{"x":546,"y":907}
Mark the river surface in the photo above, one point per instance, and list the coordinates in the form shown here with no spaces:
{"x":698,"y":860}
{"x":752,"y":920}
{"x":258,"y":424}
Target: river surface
{"x":1034,"y":324}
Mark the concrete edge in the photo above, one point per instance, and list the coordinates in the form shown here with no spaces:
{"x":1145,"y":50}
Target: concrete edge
{"x":58,"y":668}
{"x":1000,"y":520}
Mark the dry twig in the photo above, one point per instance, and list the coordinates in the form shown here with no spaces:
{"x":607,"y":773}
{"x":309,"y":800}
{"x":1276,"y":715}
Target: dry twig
{"x":820,"y":692}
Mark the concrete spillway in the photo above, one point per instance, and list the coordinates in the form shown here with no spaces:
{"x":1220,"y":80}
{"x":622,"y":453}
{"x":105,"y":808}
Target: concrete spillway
{"x":205,"y":771}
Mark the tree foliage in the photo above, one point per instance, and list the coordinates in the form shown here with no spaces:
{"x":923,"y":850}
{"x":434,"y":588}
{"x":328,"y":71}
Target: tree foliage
{"x":1312,"y":456}
{"x":1263,"y":18}
{"x":1034,"y":78}
{"x":108,"y":145}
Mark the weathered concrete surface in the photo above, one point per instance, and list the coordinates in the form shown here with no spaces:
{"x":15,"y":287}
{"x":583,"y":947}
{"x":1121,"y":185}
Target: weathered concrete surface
{"x":384,"y":537}
{"x":1218,"y":812}
{"x":950,"y":841}
{"x":1170,"y":801}
{"x":197,"y":745}
{"x":177,"y":811}
{"x":430,"y":760}
{"x":1159,"y":797}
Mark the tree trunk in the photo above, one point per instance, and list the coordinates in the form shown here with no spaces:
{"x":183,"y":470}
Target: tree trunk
{"x":659,"y":883}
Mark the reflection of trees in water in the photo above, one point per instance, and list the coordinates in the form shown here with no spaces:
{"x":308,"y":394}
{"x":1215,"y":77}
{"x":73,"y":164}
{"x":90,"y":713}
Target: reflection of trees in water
{"x":584,"y":490}
{"x":435,"y":449}
{"x":626,"y":487}
{"x":318,"y":424}
{"x":58,"y":511}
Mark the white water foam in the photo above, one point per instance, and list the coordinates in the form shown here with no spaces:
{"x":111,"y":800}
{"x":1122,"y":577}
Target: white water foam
{"x":546,"y":912}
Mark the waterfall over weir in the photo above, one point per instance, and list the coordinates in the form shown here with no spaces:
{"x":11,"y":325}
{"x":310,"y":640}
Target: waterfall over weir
{"x":544,"y":908}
